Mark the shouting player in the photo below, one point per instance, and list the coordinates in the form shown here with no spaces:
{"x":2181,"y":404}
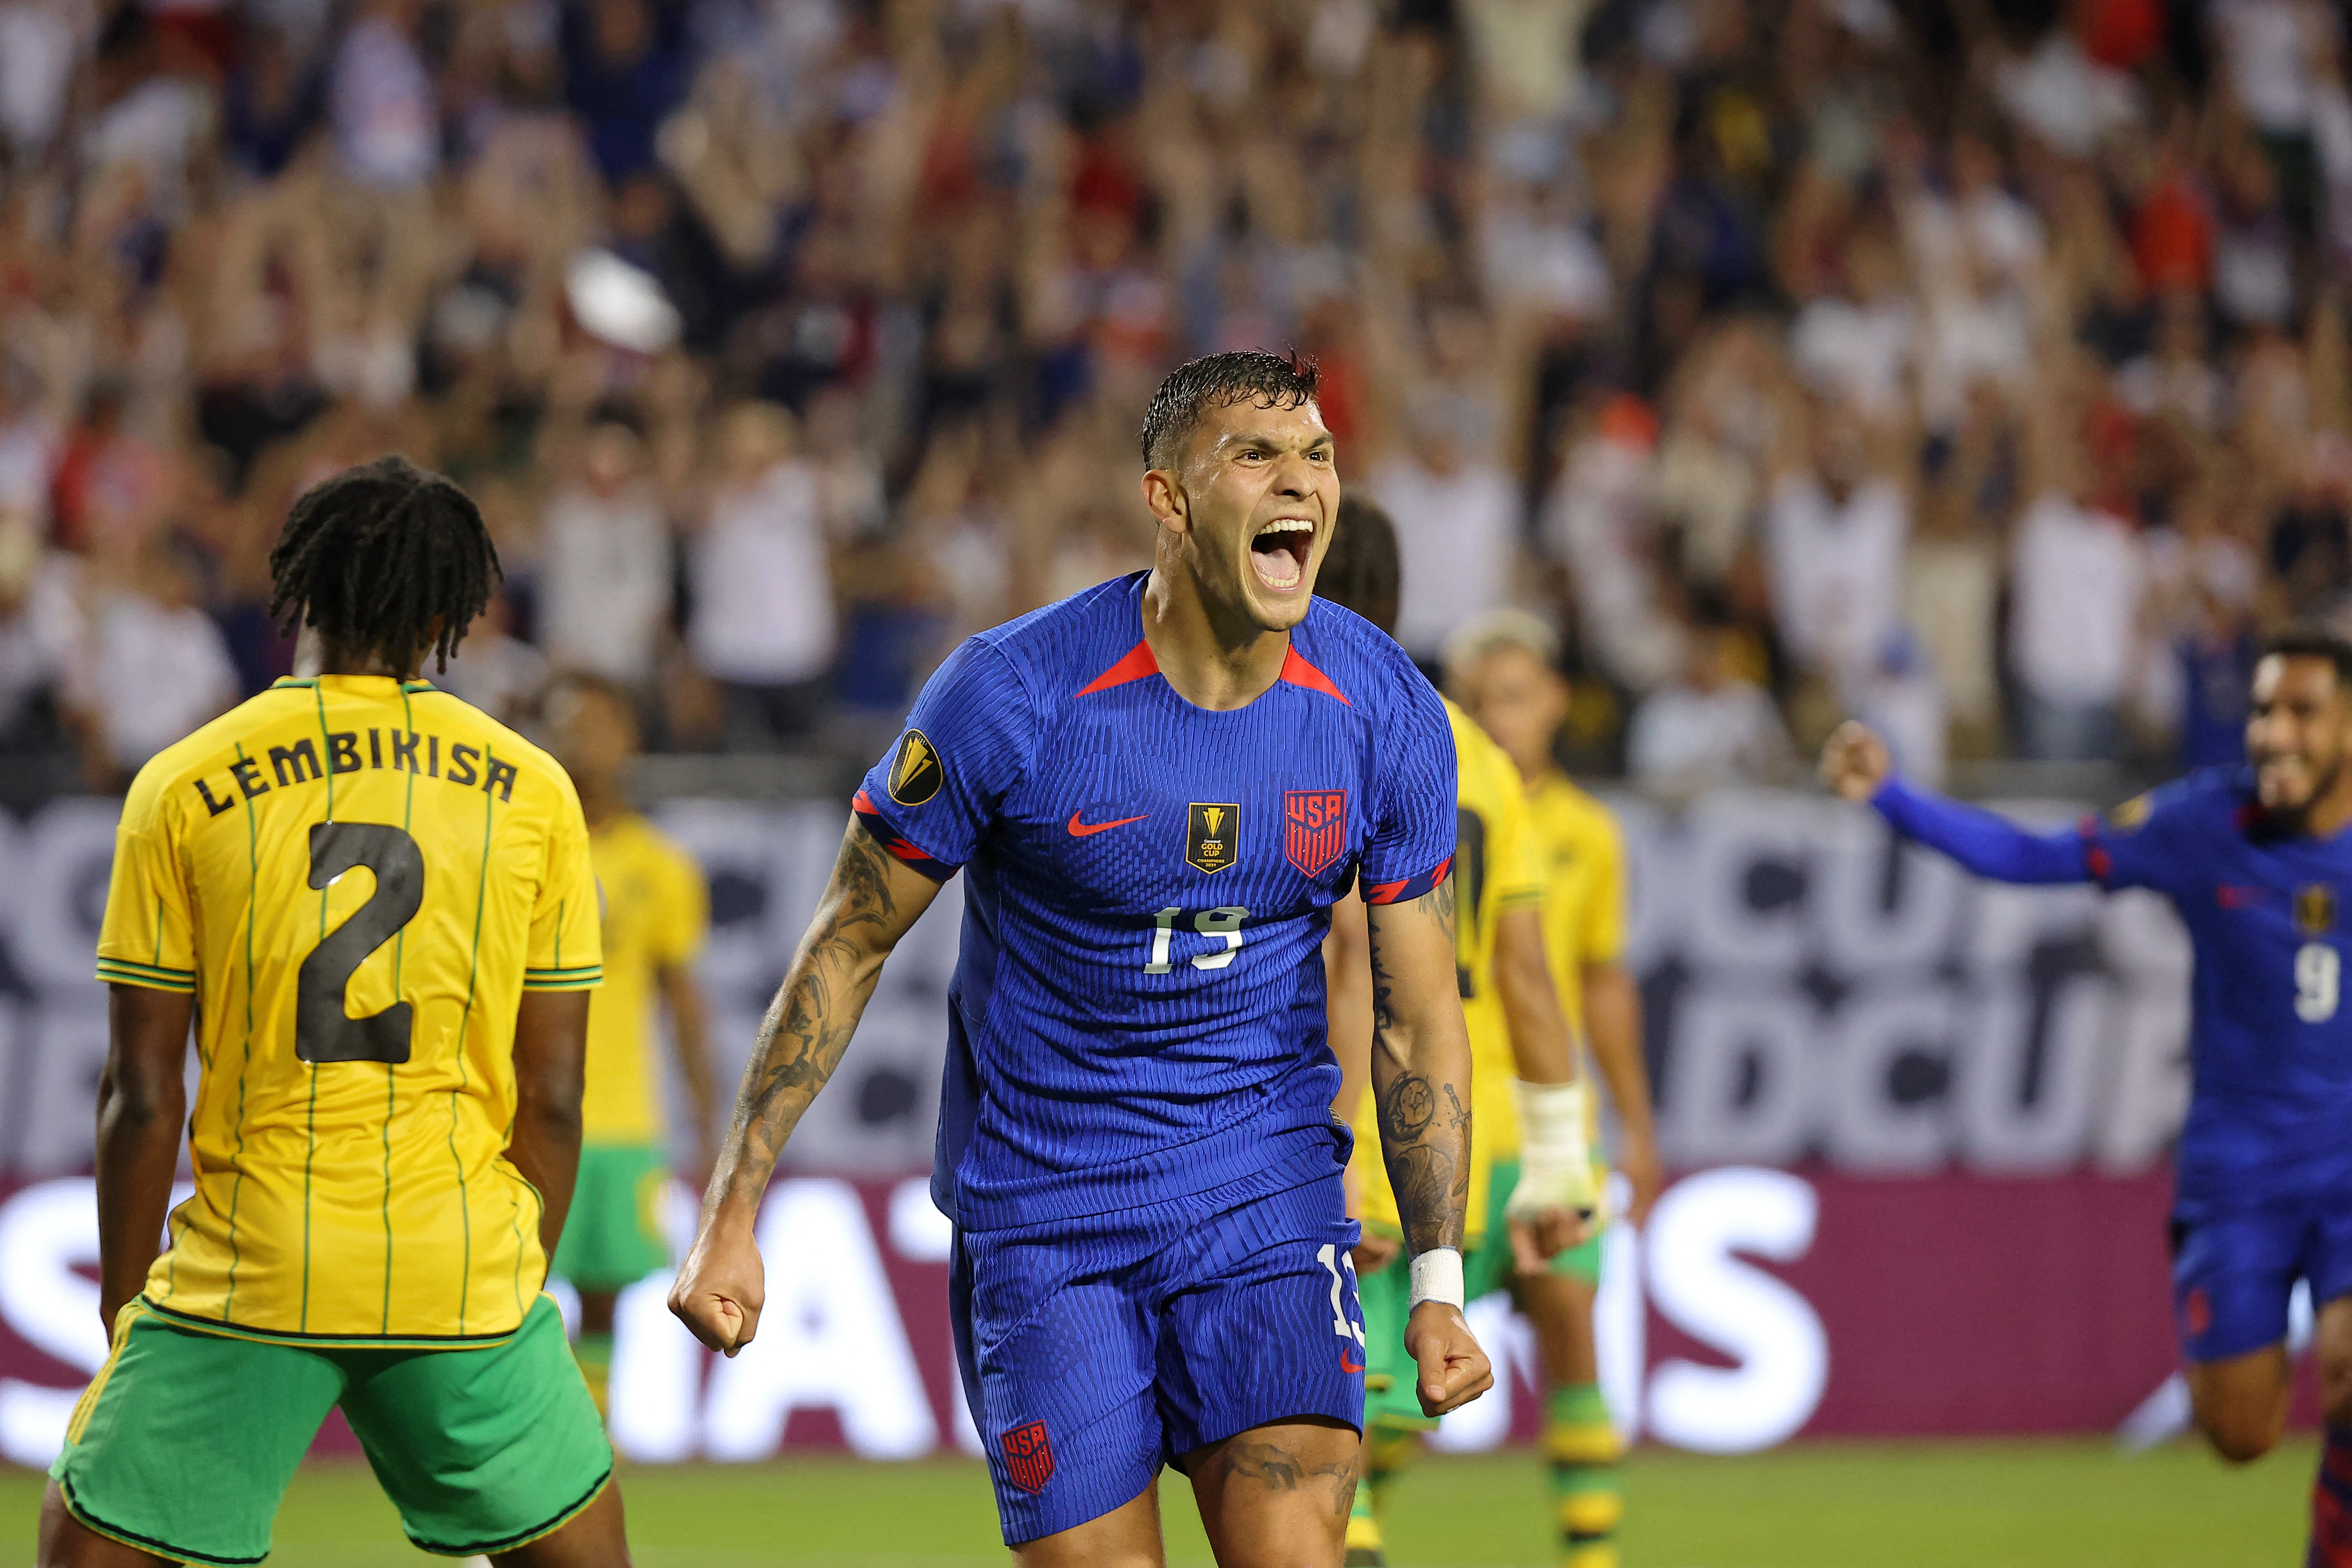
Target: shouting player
{"x":1158,"y":788}
{"x":2257,"y":862}
{"x":375,"y":905}
{"x":656,"y":908}
{"x":1528,"y":1197}
{"x":1504,"y":668}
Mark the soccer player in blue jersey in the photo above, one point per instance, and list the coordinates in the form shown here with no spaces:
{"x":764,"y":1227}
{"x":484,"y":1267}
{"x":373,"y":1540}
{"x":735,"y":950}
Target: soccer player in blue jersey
{"x":2257,"y":860}
{"x":1155,"y":790}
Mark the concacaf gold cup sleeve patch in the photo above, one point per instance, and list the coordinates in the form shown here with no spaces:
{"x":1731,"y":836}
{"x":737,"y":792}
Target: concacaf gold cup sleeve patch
{"x":2128,"y":816}
{"x":915,"y":772}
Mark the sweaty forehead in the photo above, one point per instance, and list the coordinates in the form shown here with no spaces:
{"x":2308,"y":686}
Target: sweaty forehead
{"x":2294,"y":675}
{"x":1229,"y":424}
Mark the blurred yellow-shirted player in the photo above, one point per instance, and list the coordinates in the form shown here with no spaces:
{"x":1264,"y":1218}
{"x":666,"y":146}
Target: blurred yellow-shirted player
{"x":656,"y":911}
{"x":1504,"y":668}
{"x":376,"y":905}
{"x":1523,"y":1062}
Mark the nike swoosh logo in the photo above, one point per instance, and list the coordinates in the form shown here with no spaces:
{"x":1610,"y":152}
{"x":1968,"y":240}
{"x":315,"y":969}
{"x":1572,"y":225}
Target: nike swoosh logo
{"x":1081,"y":829}
{"x":1349,"y":1367}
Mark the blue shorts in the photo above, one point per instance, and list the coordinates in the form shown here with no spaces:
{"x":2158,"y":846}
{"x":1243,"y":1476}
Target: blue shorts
{"x":1095,"y":1351}
{"x":2233,"y":1269}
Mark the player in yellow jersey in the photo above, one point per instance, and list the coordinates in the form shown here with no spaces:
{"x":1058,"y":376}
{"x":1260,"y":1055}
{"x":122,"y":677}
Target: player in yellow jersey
{"x":656,"y":911}
{"x":375,"y":905}
{"x":1531,"y":1174}
{"x":1504,"y":667}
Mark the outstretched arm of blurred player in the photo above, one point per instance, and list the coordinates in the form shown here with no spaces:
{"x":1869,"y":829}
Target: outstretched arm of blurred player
{"x":1612,"y":1026}
{"x":550,"y":1055}
{"x":1421,"y":1086}
{"x":142,"y":1100}
{"x":1856,"y":765}
{"x":691,"y":1037}
{"x":1554,"y":1196}
{"x":871,"y":901}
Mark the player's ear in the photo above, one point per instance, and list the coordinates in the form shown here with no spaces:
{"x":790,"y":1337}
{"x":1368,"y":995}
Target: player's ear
{"x":1165,"y":496}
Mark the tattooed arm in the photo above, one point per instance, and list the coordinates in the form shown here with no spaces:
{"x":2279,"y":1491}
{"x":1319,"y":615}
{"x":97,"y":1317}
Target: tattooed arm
{"x":871,"y":901}
{"x":1421,"y":1087}
{"x":1421,"y":1067}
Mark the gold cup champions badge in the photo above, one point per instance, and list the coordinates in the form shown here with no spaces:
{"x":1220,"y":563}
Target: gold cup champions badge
{"x":915,"y":773}
{"x":1212,"y":835}
{"x":2314,"y":908}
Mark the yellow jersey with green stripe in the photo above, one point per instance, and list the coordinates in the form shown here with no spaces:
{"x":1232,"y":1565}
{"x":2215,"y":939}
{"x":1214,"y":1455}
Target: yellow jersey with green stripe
{"x":1493,"y":870}
{"x":356,"y":878}
{"x":656,"y":911}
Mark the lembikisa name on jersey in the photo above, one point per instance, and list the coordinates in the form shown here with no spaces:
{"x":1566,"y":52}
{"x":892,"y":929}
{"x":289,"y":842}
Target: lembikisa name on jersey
{"x":416,"y":751}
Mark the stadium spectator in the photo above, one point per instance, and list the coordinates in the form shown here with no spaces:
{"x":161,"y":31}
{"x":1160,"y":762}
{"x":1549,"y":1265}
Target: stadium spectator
{"x":604,"y":583}
{"x":1457,"y":515}
{"x":1710,"y":728}
{"x":763,"y":623}
{"x":1577,"y":276}
{"x":151,"y":667}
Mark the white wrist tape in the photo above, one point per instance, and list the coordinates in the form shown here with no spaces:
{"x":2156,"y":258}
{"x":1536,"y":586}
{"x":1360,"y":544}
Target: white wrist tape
{"x":1555,"y":1150}
{"x":1436,"y":1277}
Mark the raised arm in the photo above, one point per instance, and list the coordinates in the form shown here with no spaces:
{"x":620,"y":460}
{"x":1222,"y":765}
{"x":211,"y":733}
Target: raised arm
{"x":1855,"y":765}
{"x":142,"y":1100}
{"x":1421,"y":1085}
{"x":870,"y":903}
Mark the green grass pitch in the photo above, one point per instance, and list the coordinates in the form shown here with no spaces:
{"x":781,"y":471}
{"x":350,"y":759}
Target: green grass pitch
{"x":1927,"y":1505}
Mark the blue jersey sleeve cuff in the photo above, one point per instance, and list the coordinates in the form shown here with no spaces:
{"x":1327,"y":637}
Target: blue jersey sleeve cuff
{"x":887,"y":834}
{"x":1410,"y":888}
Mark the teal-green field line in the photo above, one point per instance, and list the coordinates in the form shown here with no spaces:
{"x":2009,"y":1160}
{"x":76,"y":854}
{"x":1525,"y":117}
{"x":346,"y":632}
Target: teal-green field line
{"x":2063,"y":1504}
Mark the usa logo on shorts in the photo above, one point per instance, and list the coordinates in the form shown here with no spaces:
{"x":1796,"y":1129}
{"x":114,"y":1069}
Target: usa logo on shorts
{"x":1314,"y":827}
{"x":1028,"y":1456}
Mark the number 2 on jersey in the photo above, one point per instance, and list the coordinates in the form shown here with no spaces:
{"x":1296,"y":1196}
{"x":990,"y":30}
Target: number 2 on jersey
{"x":2318,"y":982}
{"x":323,"y":1032}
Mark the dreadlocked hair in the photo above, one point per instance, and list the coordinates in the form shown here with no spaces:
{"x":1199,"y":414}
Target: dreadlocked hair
{"x":377,"y":555}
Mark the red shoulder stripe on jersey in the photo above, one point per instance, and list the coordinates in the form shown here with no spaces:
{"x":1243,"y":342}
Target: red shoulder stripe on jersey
{"x":1299,"y":672}
{"x":1137,"y":665}
{"x":1411,"y":887}
{"x":890,"y":838}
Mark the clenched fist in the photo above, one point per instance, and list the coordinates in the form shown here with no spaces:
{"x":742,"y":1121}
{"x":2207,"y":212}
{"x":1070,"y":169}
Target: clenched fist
{"x":1855,"y":761}
{"x":1450,"y":1370}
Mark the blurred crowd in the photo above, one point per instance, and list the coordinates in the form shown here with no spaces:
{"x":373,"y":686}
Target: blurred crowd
{"x":1977,"y":366}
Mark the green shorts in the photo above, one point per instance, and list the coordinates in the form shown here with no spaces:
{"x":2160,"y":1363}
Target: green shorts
{"x":1388,"y":1398}
{"x":185,"y":1441}
{"x":614,"y":1236}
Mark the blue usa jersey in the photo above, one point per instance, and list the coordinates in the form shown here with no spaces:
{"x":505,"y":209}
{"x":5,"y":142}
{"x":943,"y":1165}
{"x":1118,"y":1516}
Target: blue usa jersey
{"x":1137,"y":1013}
{"x":2270,"y":1038}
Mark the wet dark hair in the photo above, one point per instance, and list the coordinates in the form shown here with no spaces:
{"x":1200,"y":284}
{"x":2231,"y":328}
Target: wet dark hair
{"x":1221,"y":381}
{"x":1361,"y":570}
{"x":2309,"y":641}
{"x":377,"y":554}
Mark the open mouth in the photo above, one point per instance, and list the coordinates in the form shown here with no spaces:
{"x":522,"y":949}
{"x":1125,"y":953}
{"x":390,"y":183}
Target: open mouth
{"x":1279,"y":553}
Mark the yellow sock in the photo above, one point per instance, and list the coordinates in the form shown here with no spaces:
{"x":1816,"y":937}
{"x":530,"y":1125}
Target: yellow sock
{"x":1582,"y":1449}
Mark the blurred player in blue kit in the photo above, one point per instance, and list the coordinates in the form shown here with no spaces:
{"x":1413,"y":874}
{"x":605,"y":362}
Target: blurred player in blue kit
{"x":1157,"y":789}
{"x":2256,"y":860}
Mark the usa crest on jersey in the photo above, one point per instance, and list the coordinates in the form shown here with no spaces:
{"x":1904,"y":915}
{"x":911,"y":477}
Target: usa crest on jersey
{"x":1314,"y":827}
